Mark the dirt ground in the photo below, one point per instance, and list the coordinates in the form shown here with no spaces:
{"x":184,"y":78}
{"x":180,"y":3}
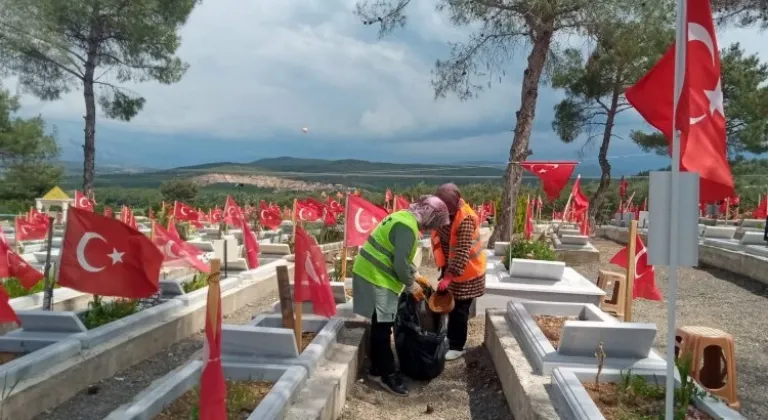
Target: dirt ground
{"x":468,"y":388}
{"x":712,"y":298}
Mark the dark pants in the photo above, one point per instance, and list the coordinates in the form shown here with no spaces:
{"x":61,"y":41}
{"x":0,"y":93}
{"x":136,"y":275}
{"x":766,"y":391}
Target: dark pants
{"x":380,"y":351}
{"x":457,"y":324}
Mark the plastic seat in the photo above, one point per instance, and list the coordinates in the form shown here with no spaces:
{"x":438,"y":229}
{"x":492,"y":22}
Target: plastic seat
{"x":713,"y":360}
{"x":610,"y":280}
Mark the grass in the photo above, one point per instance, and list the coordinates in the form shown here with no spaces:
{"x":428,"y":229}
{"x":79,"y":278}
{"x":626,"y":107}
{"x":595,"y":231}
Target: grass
{"x":198,"y":282}
{"x":242,"y":398}
{"x":101,"y":313}
{"x":14,"y":288}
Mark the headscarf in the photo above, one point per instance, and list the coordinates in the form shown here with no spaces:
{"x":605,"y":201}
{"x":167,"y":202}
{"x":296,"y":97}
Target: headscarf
{"x":430,"y":212}
{"x":451,"y":196}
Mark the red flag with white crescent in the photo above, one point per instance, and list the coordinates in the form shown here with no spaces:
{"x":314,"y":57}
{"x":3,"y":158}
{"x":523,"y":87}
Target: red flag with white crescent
{"x":362,"y":218}
{"x":553,"y":175}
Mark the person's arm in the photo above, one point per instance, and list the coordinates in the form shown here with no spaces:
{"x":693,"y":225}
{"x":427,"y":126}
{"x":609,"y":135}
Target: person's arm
{"x":403,"y":238}
{"x":460,"y":259}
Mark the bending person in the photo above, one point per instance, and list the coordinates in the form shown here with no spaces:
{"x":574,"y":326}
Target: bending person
{"x":460,"y":256}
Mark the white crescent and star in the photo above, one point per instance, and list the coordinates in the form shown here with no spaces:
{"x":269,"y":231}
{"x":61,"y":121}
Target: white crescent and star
{"x":84,"y":203}
{"x":311,"y":269}
{"x":301,"y":213}
{"x":358,"y":227}
{"x":169,"y":250}
{"x":80,"y":253}
{"x":544,"y":168}
{"x":699,"y":33}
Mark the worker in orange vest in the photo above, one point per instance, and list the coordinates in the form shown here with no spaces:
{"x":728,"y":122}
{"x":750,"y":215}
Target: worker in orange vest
{"x":460,"y":256}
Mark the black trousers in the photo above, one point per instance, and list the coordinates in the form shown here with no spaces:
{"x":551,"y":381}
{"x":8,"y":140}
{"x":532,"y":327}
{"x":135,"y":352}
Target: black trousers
{"x":380,"y":350}
{"x":457,"y":324}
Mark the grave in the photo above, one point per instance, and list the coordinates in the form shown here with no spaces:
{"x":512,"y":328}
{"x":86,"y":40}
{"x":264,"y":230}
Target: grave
{"x":174,"y":288}
{"x":339,"y":295}
{"x":64,"y":298}
{"x":573,"y":402}
{"x":287,"y":382}
{"x":264,"y":340}
{"x":501,"y":286}
{"x":752,"y":223}
{"x":574,"y":248}
{"x":719,"y":232}
{"x":201,"y":244}
{"x":747,"y":239}
{"x":627,"y":345}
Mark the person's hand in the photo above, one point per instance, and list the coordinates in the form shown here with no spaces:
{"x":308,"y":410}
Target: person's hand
{"x":416,"y":291}
{"x":444,"y":283}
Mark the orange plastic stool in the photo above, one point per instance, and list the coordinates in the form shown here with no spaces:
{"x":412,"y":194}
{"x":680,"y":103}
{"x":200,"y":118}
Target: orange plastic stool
{"x":608,"y":280}
{"x":714,"y":360}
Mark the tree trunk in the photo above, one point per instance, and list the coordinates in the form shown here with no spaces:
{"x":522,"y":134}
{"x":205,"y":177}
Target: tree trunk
{"x":518,"y":152}
{"x":597,"y":199}
{"x":89,"y":146}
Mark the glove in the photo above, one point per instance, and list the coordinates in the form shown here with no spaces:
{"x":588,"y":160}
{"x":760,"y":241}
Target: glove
{"x":444,"y":283}
{"x":416,"y":291}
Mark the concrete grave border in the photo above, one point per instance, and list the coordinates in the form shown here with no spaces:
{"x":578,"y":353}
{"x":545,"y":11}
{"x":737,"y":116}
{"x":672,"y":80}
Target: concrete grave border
{"x":63,"y":380}
{"x":574,"y":402}
{"x":287,"y":381}
{"x":543,"y":355}
{"x":64,"y":299}
{"x":264,"y":341}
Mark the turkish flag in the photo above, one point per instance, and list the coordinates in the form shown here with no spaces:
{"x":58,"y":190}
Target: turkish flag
{"x":213,"y":386}
{"x":174,"y":234}
{"x":105,"y":257}
{"x":553,"y":175}
{"x":311,"y":280}
{"x":251,"y":244}
{"x":334,"y":206}
{"x":401,"y":203}
{"x":7,"y":314}
{"x":82,"y":202}
{"x":362,"y":218}
{"x":12,"y":265}
{"x":174,"y":251}
{"x":269,"y":217}
{"x":623,"y":185}
{"x":217,"y":215}
{"x":307,"y":211}
{"x":645,"y":275}
{"x":528,"y":220}
{"x":30,"y":231}
{"x":37,"y":217}
{"x":233,"y":214}
{"x":329,"y":219}
{"x":700,"y":114}
{"x":182,"y":211}
{"x":579,"y":202}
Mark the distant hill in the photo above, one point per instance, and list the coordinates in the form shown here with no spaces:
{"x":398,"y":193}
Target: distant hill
{"x":76,"y":169}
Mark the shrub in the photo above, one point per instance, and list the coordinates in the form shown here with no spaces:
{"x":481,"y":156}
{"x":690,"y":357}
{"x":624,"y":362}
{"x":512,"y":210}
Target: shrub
{"x":329,"y":234}
{"x":532,"y":250}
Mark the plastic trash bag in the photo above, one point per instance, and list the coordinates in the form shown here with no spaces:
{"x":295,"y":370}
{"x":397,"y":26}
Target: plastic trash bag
{"x":420,"y":350}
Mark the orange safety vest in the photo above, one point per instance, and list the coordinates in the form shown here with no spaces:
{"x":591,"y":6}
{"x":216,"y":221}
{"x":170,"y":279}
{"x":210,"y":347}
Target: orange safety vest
{"x":477,"y":261}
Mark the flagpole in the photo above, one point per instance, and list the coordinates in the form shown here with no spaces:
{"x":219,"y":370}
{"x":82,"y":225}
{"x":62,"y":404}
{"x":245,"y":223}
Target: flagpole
{"x":343,"y":267}
{"x":680,"y":56}
{"x":48,"y":283}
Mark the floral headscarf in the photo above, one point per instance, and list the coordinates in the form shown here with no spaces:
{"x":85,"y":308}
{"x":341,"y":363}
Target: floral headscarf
{"x":430,"y":212}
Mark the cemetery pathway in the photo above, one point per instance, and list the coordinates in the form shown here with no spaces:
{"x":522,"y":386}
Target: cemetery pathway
{"x":467,"y":389}
{"x":713,"y":298}
{"x":103,"y":397}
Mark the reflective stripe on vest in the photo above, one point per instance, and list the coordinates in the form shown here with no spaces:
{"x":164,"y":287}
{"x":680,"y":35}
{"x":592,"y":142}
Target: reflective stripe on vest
{"x":376,"y":260}
{"x":476,"y":264}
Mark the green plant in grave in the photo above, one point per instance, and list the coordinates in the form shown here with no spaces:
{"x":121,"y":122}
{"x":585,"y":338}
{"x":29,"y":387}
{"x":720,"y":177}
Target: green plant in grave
{"x":100,"y":313}
{"x":532,"y":250}
{"x":198,"y":282}
{"x":15,"y":289}
{"x":329,"y":234}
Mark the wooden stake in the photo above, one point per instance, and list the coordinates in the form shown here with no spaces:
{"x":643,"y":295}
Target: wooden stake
{"x":630,"y":278}
{"x":48,"y":283}
{"x":343,"y":269}
{"x":293,"y":220}
{"x":214,"y":291}
{"x":298,"y":324}
{"x":284,"y":294}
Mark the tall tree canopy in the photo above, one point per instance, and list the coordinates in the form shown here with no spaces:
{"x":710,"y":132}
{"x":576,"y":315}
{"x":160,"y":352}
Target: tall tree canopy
{"x":743,"y":12}
{"x":55,"y":46}
{"x":501,"y":27}
{"x":624,"y":51}
{"x":745,"y":99}
{"x":27,"y":157}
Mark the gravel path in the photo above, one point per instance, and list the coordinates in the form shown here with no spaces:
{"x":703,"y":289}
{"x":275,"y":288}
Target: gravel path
{"x":468,"y":388}
{"x":103,"y":397}
{"x":713,"y":298}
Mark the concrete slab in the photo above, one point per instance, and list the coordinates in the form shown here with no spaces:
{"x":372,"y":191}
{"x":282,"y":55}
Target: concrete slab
{"x":325,"y":392}
{"x":37,"y":361}
{"x":500,"y":248}
{"x":200,"y":295}
{"x":752,"y":223}
{"x":287,"y":381}
{"x":70,"y":376}
{"x":264,"y":341}
{"x":719,"y":232}
{"x":752,"y":238}
{"x":525,"y":392}
{"x":573,"y":401}
{"x":535,"y":269}
{"x":64,"y":299}
{"x":567,"y":232}
{"x":628,"y":345}
{"x":578,"y":251}
{"x":202,"y":244}
{"x":275,"y":249}
{"x":575,"y":239}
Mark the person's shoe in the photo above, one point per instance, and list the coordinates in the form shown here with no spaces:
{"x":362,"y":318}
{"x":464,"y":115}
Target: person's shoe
{"x":453,"y":354}
{"x":391,"y":383}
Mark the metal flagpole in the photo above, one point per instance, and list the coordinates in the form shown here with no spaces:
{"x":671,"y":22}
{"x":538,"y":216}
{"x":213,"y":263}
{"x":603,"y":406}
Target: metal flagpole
{"x":681,"y":45}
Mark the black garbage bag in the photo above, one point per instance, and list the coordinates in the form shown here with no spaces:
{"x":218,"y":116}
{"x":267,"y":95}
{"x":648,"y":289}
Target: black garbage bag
{"x":420,"y":350}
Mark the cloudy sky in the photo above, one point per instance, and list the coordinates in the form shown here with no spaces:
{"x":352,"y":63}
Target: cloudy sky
{"x":261,"y":71}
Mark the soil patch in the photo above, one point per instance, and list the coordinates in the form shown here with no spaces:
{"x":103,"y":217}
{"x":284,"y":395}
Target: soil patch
{"x":616,"y":403}
{"x":7,"y":357}
{"x":306,"y":338}
{"x":242,"y":398}
{"x":349,"y":293}
{"x":552,"y":326}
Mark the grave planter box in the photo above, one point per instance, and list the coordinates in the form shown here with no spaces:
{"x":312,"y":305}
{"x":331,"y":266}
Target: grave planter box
{"x":500,"y":248}
{"x":339,"y":295}
{"x":627,"y":345}
{"x":264,"y":340}
{"x":64,"y":298}
{"x":34,"y":360}
{"x":573,"y":401}
{"x":287,"y":382}
{"x":536,"y":269}
{"x":175,"y":289}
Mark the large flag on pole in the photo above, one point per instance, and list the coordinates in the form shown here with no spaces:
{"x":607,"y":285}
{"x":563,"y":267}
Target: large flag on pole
{"x":213,"y":387}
